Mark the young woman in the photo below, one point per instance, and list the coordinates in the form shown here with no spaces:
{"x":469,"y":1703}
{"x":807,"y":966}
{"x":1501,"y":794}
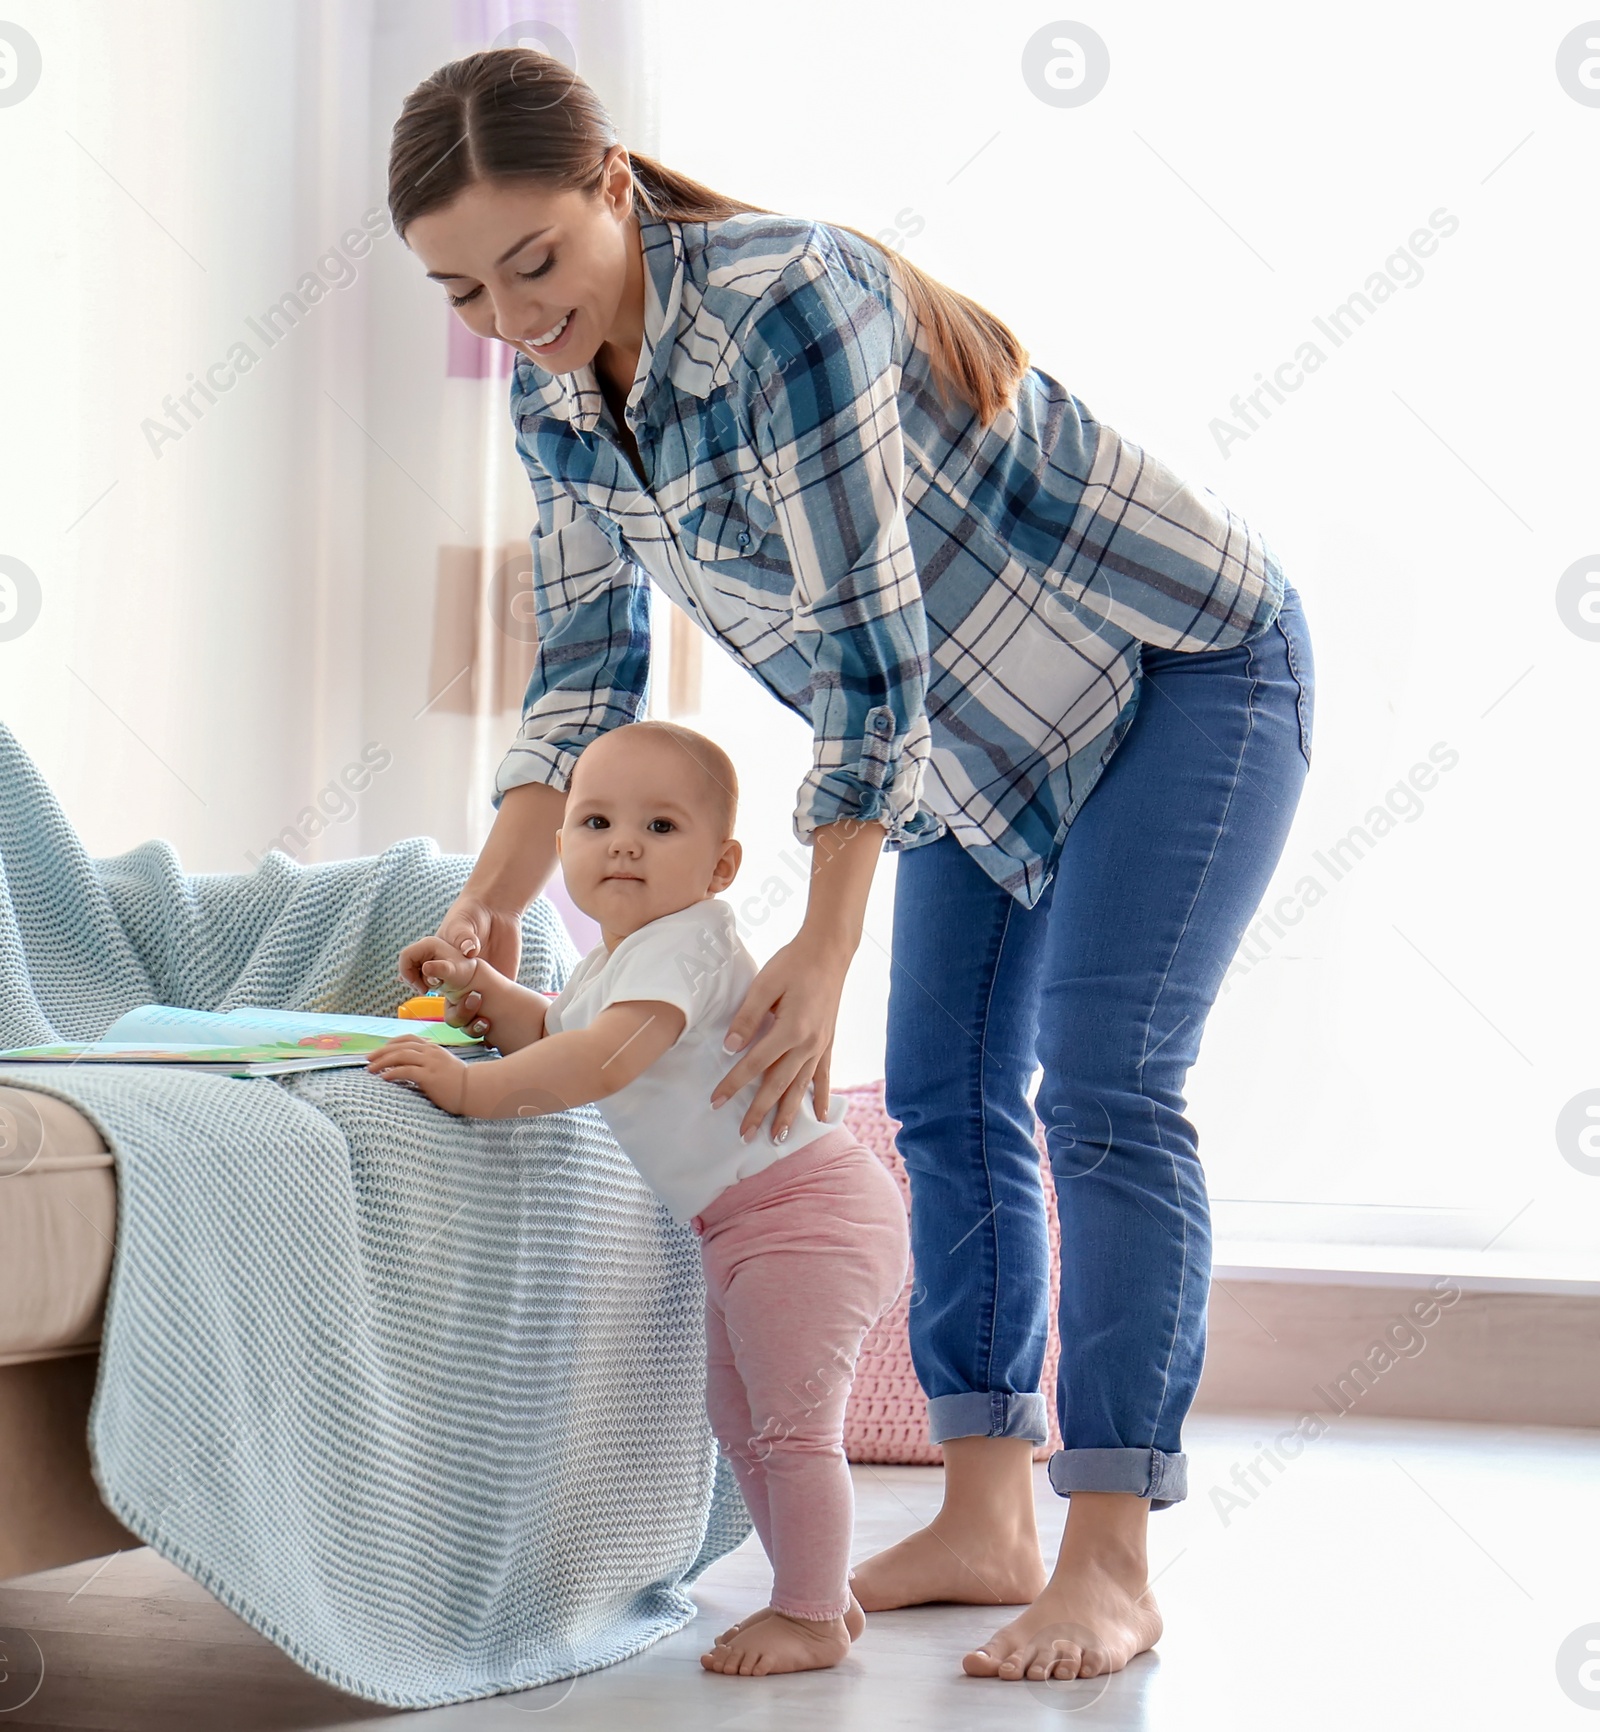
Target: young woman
{"x":1072,"y":689}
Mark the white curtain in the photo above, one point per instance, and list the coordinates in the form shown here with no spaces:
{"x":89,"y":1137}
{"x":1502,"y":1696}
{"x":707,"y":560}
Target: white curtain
{"x":189,"y":205}
{"x":481,"y":637}
{"x":257,"y":477}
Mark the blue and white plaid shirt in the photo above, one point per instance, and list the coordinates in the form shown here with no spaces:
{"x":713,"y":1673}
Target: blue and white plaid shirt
{"x":958,"y":612}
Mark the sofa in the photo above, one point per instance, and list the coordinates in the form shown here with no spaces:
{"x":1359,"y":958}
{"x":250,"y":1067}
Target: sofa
{"x":58,"y":1212}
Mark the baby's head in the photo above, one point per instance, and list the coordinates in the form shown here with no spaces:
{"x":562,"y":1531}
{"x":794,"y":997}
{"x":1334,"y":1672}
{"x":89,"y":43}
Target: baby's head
{"x":648,"y":827}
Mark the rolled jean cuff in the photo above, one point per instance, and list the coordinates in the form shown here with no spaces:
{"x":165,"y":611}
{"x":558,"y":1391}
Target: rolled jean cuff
{"x":988,"y":1413}
{"x":1164,"y":1479}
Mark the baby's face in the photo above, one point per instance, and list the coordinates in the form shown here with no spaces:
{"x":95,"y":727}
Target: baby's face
{"x":641,"y":835}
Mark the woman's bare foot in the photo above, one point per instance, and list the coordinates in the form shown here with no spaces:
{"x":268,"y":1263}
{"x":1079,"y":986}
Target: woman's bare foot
{"x":1097,"y":1610}
{"x":778,"y":1643}
{"x":952,"y":1561}
{"x":854,"y":1622}
{"x":982,"y":1548}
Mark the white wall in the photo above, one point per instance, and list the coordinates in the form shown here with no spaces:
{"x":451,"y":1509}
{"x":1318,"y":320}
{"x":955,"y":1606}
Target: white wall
{"x":1410,"y":1041}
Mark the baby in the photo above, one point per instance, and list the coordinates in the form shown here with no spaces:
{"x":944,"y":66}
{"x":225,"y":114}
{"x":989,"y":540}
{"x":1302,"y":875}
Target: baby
{"x":803,"y":1242}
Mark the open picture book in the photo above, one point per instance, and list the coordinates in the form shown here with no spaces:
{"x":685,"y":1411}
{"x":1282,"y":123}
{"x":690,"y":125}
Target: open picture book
{"x":246,"y":1042}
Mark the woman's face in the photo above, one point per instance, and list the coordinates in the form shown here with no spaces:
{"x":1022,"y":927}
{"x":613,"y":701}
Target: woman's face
{"x":547,"y":272}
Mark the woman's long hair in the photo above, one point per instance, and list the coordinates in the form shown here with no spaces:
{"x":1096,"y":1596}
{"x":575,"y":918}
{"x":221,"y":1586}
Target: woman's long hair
{"x":512,"y":114}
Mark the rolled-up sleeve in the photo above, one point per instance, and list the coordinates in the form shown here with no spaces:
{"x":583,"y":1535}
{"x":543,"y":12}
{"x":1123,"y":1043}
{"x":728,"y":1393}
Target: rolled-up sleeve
{"x":823,"y":390}
{"x":592,"y":610}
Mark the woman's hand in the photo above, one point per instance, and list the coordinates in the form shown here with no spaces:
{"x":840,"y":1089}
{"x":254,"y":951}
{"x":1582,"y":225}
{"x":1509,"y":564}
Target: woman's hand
{"x":800,"y":987}
{"x":445,"y":970}
{"x":474,"y":929}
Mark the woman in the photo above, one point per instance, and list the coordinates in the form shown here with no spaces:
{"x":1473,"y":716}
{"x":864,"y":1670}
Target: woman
{"x":1071,"y":688}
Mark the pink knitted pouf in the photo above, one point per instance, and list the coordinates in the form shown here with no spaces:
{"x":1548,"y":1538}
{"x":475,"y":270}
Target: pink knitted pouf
{"x":887,"y":1417}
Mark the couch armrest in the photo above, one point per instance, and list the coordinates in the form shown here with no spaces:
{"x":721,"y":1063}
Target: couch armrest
{"x":58,"y":1210}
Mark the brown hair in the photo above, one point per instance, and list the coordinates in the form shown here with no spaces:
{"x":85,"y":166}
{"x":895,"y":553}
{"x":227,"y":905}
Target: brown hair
{"x":516,"y":114}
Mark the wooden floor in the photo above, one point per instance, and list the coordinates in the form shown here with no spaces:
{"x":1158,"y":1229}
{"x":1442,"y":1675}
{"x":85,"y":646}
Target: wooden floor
{"x":1398,"y":1574}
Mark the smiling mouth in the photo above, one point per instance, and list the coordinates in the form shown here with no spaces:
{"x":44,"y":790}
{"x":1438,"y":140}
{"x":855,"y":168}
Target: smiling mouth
{"x":551,"y":338}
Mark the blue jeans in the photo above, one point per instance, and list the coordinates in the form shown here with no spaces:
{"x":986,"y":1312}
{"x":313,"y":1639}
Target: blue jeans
{"x":1106,"y":983}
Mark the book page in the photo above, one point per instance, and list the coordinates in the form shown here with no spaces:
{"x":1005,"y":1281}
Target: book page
{"x":250,"y":1025}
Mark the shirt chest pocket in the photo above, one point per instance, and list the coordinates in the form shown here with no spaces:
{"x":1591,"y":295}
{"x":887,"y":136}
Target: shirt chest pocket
{"x":729,"y":522}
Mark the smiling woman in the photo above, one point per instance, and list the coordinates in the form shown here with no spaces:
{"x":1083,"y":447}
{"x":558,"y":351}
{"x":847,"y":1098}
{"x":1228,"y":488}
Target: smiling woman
{"x":561,"y":290}
{"x":491,"y":219}
{"x":485,"y":103}
{"x":849,"y":475}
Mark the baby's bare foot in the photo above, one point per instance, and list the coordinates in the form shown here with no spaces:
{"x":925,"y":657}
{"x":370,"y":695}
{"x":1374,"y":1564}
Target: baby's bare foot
{"x":972,"y":1564}
{"x":854,"y":1622}
{"x":1091,"y":1619}
{"x":778,"y":1643}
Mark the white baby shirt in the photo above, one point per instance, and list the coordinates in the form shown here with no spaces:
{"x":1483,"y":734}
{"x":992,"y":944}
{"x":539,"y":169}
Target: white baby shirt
{"x":685,"y":1150}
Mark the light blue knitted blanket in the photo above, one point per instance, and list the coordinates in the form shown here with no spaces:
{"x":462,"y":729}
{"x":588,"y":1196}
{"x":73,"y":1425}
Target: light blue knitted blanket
{"x":419,"y":1397}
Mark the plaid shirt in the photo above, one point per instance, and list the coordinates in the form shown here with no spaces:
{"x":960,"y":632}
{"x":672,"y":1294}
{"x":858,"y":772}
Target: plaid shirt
{"x":957,"y":612}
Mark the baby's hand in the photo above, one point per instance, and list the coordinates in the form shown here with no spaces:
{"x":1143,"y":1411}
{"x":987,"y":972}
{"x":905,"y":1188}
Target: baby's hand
{"x":440,"y":1075}
{"x":459,"y":978}
{"x":443,"y":966}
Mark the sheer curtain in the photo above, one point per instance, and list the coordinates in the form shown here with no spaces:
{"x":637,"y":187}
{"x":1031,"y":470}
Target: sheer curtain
{"x":192,"y":224}
{"x":484,"y":635}
{"x":478,"y":632}
{"x":263,"y":521}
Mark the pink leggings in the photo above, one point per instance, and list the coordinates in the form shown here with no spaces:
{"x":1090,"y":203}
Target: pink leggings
{"x":801,"y":1259}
